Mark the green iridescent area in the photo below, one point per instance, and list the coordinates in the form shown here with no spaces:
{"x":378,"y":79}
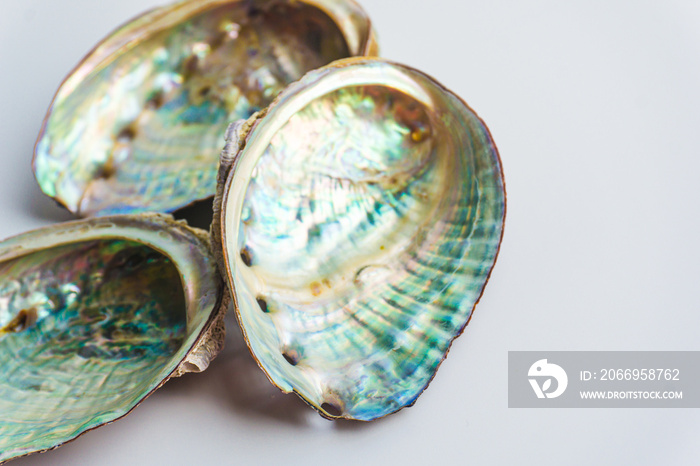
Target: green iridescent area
{"x":362,"y":219}
{"x":85,"y":330}
{"x":139,"y":125}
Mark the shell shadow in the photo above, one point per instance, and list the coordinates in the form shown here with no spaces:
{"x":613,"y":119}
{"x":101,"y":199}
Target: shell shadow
{"x":235,"y":378}
{"x":198,"y":214}
{"x":40,"y":206}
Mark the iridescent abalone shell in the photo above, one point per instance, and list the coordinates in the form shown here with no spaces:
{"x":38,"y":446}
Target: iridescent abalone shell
{"x":360,"y":220}
{"x":94,"y":316}
{"x":139,"y":124}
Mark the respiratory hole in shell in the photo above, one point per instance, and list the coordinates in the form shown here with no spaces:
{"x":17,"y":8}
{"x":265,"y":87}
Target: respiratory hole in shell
{"x":155,"y":101}
{"x":126,"y":135}
{"x":24,"y":319}
{"x":291,"y":357}
{"x":263,"y":304}
{"x":246,"y":257}
{"x":332,"y":409}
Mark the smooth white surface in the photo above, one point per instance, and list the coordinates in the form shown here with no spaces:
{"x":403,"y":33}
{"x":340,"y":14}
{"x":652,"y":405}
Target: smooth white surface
{"x":595,"y":107}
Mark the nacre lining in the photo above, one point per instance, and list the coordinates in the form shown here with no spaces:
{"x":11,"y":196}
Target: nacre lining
{"x":361,"y":220}
{"x":89,"y":328}
{"x":139,"y":127}
{"x":102,"y":314}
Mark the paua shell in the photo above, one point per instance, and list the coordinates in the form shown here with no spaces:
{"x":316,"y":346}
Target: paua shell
{"x":94,"y":316}
{"x":139,"y":124}
{"x":360,"y":217}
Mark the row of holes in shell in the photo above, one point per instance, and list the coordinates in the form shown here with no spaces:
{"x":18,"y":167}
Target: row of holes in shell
{"x":292,"y":358}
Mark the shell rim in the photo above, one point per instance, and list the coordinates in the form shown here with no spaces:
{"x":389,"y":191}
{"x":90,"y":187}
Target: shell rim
{"x":257,"y":119}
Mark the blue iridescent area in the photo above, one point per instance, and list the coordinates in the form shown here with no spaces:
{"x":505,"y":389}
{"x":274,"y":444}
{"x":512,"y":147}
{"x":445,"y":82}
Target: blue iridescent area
{"x":84,"y":329}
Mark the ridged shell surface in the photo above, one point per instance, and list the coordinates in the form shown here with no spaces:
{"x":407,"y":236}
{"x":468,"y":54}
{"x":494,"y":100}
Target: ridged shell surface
{"x":138,"y":125}
{"x":361,"y":218}
{"x":94,"y":316}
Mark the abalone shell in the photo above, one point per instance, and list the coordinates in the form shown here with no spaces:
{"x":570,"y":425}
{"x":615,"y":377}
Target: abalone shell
{"x":360,"y":217}
{"x":94,"y":316}
{"x":139,"y":124}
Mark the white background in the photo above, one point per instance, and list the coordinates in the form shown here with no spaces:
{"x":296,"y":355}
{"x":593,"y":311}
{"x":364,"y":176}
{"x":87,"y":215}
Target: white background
{"x":595,"y":106}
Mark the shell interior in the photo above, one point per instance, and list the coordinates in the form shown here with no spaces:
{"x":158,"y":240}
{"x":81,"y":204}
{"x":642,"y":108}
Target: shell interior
{"x":139,"y":124}
{"x":361,"y":222}
{"x":90,"y":327}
